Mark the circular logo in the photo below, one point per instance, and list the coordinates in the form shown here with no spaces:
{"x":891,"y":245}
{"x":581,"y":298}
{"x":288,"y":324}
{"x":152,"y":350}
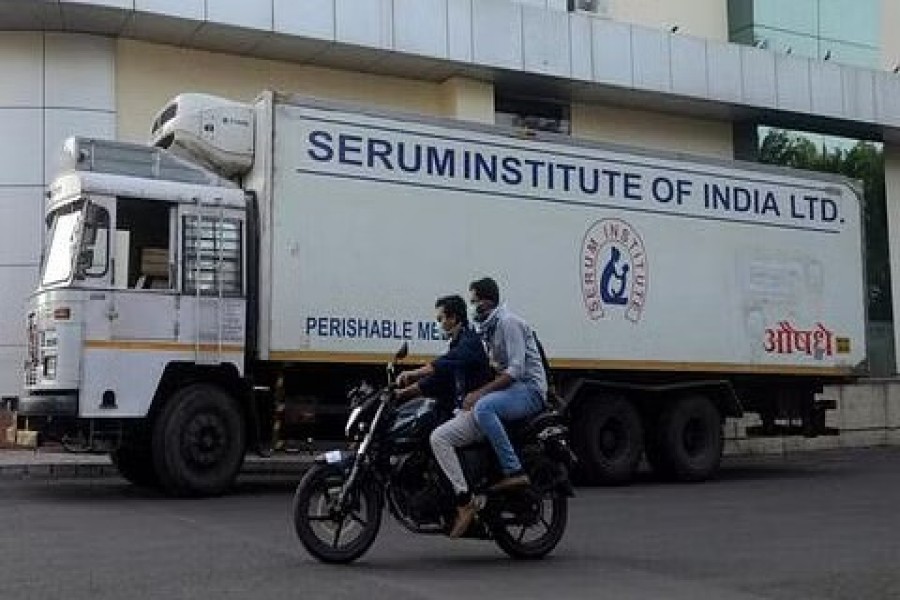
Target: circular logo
{"x":613,"y":270}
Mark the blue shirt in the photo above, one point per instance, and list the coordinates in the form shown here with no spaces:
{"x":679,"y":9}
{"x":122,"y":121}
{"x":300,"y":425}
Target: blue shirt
{"x":462,"y":369}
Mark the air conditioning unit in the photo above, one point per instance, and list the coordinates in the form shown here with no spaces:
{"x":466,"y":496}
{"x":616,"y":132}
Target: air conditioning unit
{"x":596,"y":8}
{"x":211,"y":131}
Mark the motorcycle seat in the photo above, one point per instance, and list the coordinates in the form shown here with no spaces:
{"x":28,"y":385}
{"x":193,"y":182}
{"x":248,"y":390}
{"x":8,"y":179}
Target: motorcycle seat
{"x":528,"y":427}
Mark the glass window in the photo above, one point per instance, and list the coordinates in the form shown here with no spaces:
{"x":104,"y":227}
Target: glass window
{"x":63,"y":237}
{"x":740,"y":15}
{"x":142,"y":228}
{"x":784,"y":42}
{"x":853,"y":21}
{"x":93,"y":258}
{"x":213,"y":261}
{"x":532,"y":113}
{"x":796,"y":16}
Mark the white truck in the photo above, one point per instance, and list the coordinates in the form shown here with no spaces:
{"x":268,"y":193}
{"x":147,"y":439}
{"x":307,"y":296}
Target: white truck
{"x":271,"y":254}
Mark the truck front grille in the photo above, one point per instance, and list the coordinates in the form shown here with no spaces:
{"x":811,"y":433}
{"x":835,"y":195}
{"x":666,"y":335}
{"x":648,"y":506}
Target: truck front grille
{"x":32,"y":358}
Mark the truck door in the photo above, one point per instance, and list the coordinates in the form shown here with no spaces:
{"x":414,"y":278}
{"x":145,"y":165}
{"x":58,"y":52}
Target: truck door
{"x":212,"y":311}
{"x":144,"y":299}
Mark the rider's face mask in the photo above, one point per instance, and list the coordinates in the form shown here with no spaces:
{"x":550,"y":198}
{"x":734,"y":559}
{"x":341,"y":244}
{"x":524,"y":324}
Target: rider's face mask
{"x":480,"y":310}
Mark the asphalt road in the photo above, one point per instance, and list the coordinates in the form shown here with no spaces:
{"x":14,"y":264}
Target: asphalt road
{"x":823,"y":525}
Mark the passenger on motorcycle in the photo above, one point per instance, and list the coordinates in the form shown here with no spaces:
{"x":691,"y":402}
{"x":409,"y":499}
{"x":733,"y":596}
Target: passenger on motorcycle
{"x":519,"y":387}
{"x":462,"y":369}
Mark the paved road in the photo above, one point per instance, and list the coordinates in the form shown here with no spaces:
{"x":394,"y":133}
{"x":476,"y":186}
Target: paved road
{"x":824,"y":525}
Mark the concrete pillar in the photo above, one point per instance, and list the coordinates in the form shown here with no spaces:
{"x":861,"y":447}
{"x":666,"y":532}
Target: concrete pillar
{"x":892,"y":199}
{"x":54,"y":85}
{"x":890,"y":41}
{"x":468,"y":99}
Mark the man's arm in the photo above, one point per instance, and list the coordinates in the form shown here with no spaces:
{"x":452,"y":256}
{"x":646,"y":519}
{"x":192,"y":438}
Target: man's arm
{"x":514,"y":336}
{"x":408,"y":393}
{"x":501,"y":381}
{"x":514,"y":340}
{"x":407,"y":377}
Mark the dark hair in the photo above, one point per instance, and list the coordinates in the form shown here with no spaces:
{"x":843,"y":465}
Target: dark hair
{"x":454,"y":306}
{"x":486,"y":289}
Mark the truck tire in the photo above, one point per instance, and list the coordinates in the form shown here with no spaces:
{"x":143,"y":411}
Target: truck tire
{"x":687,"y":444}
{"x":135,"y":464}
{"x":199,"y":441}
{"x":609,"y":440}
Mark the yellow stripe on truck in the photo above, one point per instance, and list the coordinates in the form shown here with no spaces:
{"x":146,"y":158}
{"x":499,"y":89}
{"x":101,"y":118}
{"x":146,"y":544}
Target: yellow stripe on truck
{"x":574,"y":364}
{"x":157,"y":346}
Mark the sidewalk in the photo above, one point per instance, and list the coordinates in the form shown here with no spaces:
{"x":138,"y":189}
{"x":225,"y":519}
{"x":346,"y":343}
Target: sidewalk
{"x":57,"y":463}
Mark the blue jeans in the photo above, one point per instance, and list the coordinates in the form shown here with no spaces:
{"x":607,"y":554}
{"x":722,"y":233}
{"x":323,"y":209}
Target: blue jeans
{"x":515,"y":402}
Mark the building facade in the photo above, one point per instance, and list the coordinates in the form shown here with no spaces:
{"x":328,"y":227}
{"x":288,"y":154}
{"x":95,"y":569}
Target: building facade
{"x":679,"y":75}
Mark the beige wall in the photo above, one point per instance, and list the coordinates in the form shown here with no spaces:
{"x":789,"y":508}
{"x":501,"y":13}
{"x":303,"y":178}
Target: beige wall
{"x":701,"y":18}
{"x":468,"y":99}
{"x":890,"y":40}
{"x":148,"y":75}
{"x":655,"y":131}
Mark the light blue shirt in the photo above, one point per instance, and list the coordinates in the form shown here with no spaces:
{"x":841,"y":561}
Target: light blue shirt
{"x":513,"y":350}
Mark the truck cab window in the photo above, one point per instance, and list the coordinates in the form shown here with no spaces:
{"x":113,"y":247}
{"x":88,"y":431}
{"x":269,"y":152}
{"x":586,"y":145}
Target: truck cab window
{"x":143,"y":243}
{"x":213,"y":259}
{"x":93,"y":255}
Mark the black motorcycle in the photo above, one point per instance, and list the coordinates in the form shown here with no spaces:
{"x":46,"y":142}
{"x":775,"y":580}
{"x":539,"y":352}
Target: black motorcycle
{"x":338,"y":505}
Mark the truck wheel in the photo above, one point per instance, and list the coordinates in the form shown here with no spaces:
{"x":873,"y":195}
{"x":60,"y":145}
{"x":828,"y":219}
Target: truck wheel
{"x":135,"y":464}
{"x":688,"y":440}
{"x":199,"y":441}
{"x":609,"y":440}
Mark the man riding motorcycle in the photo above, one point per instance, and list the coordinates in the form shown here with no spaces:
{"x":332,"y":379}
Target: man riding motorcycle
{"x":338,"y":505}
{"x":462,"y":369}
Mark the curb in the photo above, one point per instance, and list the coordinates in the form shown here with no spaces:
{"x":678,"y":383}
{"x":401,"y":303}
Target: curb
{"x":100,"y":467}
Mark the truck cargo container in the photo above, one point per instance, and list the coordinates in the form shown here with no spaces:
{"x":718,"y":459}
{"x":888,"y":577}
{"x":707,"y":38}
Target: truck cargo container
{"x":260,"y":257}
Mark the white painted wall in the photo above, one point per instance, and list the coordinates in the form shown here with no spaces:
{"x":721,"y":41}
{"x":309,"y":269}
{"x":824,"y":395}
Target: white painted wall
{"x":701,"y":18}
{"x":54,"y":85}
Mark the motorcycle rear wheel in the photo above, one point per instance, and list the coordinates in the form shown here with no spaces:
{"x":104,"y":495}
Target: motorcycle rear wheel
{"x":331,"y":534}
{"x":538,"y":539}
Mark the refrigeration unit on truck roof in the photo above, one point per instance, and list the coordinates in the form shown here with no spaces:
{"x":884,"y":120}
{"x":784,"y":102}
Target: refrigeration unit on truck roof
{"x":215,"y":132}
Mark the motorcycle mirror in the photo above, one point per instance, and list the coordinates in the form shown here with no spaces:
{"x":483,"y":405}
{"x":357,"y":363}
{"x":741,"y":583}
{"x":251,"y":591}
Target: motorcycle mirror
{"x":402,"y":352}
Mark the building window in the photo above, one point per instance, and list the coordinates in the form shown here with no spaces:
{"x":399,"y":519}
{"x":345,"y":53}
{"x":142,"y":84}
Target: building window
{"x":842,"y":31}
{"x":536,"y":114}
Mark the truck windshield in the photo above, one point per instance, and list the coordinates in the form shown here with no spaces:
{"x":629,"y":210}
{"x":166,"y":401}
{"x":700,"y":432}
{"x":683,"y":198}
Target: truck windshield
{"x":63,"y":244}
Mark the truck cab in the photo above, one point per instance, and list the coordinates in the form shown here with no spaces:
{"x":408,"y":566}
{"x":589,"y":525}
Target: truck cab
{"x":145,"y":269}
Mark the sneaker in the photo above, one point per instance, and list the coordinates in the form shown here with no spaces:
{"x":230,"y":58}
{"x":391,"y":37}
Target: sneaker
{"x":510,"y":481}
{"x":464,"y":516}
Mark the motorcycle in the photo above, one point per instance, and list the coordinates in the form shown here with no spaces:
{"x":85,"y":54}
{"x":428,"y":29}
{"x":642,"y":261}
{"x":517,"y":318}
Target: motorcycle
{"x":338,"y":505}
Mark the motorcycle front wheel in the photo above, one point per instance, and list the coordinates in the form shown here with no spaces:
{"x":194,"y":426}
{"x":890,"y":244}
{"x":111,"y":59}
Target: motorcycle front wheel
{"x":535,"y":531}
{"x":332,"y":533}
